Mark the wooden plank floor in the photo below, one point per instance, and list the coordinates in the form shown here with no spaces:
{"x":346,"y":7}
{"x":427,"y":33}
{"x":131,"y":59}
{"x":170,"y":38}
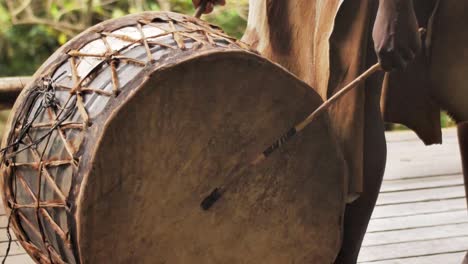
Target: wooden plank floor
{"x":421,"y":215}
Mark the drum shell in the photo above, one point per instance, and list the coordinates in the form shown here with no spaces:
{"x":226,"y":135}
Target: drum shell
{"x":86,"y":162}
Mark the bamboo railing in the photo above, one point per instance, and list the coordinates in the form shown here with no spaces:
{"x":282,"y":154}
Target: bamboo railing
{"x":10,"y":88}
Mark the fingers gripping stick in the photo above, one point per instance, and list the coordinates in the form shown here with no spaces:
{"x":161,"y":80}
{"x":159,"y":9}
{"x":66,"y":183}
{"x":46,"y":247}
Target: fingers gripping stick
{"x":201,"y":8}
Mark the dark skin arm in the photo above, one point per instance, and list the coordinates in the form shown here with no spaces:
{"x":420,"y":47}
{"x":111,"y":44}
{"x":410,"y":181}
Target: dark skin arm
{"x":210,"y":5}
{"x":396,"y":37}
{"x":395,"y":34}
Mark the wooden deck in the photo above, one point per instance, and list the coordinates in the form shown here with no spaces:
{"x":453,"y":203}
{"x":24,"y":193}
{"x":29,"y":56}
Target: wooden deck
{"x":421,"y":215}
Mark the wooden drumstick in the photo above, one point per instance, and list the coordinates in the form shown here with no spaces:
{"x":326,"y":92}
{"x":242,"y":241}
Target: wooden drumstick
{"x":322,"y":108}
{"x":216,"y":194}
{"x":201,"y":8}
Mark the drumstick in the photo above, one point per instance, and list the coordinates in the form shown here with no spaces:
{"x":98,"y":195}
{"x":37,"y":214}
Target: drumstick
{"x":201,"y":8}
{"x":299,"y":127}
{"x":322,"y":108}
{"x":216,"y":194}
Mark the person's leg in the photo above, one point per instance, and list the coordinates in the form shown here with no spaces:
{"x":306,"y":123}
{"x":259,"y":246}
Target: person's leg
{"x":358,"y":213}
{"x":463,"y":143}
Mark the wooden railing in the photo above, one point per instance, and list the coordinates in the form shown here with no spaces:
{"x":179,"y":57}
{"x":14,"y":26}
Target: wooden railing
{"x":10,"y":88}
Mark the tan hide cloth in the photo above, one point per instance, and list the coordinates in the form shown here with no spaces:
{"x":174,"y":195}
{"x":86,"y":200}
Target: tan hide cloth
{"x":324,"y":43}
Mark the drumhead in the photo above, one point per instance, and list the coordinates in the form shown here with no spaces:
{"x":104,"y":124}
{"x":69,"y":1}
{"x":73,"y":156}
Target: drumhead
{"x":180,"y":136}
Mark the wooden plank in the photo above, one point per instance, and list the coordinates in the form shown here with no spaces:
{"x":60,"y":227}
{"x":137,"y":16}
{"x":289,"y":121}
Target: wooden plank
{"x":421,"y":217}
{"x":414,"y":249}
{"x":408,"y":157}
{"x":415,"y":221}
{"x":17,"y":254}
{"x":3,"y":221}
{"x":447,"y":165}
{"x":422,"y":183}
{"x":416,"y":234}
{"x":450,"y":132}
{"x":431,"y":194}
{"x":418,"y":208}
{"x":444,"y":258}
{"x":416,"y":148}
{"x":10,"y":88}
{"x":2,"y":208}
{"x":400,"y":136}
{"x":3,"y":235}
{"x":15,"y":248}
{"x":16,"y":83}
{"x":408,"y":135}
{"x":19,"y":259}
{"x":403,"y":150}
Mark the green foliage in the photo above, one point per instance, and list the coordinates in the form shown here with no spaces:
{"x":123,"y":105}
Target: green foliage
{"x":229,"y":21}
{"x":446,"y":121}
{"x":25,"y":46}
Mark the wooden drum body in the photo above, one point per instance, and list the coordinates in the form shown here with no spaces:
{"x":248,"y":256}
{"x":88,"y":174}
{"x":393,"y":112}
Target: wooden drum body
{"x":125,"y":130}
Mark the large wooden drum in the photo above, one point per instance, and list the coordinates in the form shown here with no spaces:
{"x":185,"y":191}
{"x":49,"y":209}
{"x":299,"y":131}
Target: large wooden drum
{"x":126,"y":129}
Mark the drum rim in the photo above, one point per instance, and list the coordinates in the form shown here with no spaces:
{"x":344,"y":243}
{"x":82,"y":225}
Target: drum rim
{"x":60,"y":56}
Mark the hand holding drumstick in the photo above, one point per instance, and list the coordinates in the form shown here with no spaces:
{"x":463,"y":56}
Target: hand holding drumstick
{"x":209,"y":5}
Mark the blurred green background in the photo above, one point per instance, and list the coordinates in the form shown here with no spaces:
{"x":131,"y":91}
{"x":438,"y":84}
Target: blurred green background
{"x":31,"y":30}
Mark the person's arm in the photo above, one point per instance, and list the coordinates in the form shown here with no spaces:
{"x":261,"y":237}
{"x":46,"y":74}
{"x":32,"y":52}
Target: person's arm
{"x":396,"y":36}
{"x":210,"y":5}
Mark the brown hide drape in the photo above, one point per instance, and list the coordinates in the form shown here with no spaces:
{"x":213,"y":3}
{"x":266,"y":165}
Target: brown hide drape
{"x":348,"y":58}
{"x":324,"y":43}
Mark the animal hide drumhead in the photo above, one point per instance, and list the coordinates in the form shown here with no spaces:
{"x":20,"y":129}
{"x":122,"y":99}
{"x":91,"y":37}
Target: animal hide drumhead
{"x":110,"y":156}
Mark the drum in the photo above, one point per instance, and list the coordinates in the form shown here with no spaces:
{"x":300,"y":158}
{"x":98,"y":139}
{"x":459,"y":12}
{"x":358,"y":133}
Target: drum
{"x":126,"y":128}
